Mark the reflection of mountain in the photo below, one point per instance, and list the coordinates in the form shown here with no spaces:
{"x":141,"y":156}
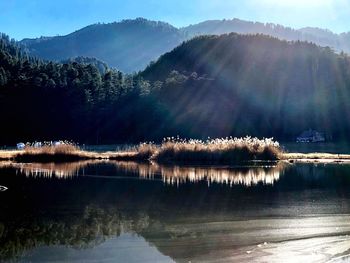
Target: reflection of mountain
{"x":182,"y":238}
{"x":82,"y":230}
{"x":264,"y":240}
{"x":188,"y":222}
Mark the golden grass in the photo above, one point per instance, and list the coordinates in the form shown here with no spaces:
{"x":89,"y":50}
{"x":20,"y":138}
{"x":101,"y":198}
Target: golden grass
{"x":64,"y":152}
{"x":70,"y":152}
{"x":217,"y":151}
{"x":214,"y":151}
{"x":143,"y":152}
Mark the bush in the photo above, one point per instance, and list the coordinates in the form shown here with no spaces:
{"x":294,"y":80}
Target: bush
{"x":217,"y":151}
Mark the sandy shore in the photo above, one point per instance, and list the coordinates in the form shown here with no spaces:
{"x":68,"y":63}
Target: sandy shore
{"x":316,"y":157}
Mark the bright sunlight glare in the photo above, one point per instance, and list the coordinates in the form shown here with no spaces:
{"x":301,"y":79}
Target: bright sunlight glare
{"x":299,"y":3}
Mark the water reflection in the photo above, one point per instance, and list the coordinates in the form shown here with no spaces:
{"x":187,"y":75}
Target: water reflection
{"x":59,"y":170}
{"x":130,"y":248}
{"x":303,"y":216}
{"x":172,"y":175}
{"x":175,"y":175}
{"x":81,"y":230}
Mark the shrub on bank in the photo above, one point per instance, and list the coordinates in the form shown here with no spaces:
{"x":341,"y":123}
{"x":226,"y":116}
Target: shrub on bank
{"x":62,"y":152}
{"x":217,"y":151}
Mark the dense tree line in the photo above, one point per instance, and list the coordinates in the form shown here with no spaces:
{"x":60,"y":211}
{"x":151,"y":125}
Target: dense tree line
{"x":209,"y":86}
{"x":42,"y":100}
{"x":258,"y":85}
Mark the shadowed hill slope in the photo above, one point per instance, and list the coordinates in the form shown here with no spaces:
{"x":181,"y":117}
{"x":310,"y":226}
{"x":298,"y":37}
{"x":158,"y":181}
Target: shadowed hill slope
{"x":255,"y":85}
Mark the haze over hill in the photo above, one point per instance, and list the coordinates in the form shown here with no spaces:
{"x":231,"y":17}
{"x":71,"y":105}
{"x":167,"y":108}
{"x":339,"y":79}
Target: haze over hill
{"x":322,"y":37}
{"x":130,"y":45}
{"x":254,"y":85}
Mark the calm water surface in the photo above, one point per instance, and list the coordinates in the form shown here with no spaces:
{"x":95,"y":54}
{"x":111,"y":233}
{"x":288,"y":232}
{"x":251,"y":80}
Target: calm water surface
{"x":129,"y":212}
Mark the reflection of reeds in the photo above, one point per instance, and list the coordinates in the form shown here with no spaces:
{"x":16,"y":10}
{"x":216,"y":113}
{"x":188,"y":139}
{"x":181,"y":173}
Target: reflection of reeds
{"x":59,"y":170}
{"x":173,"y":175}
{"x":176,"y":175}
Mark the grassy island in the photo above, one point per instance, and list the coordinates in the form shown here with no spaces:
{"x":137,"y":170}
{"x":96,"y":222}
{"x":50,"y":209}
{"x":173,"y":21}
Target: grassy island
{"x":171,"y":150}
{"x":177,"y":151}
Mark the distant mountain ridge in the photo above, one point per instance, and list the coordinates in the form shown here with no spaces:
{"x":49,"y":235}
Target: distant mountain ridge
{"x":130,"y":45}
{"x":322,"y":37}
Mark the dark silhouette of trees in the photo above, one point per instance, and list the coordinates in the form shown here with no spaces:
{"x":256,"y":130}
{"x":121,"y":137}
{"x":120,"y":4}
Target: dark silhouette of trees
{"x":48,"y":100}
{"x":209,"y":86}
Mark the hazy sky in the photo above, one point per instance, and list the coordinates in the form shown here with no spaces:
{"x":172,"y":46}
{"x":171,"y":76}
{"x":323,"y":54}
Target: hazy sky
{"x":34,"y":18}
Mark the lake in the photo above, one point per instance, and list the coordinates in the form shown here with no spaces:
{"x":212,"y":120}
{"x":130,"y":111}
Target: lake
{"x":94,"y":211}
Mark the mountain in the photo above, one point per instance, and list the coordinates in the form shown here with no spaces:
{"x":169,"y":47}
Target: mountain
{"x":75,"y":100}
{"x":252,"y":84}
{"x":322,"y":37}
{"x":130,"y":45}
{"x":227,"y":85}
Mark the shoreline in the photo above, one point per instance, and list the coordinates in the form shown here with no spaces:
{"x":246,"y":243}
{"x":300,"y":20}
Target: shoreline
{"x":80,"y":155}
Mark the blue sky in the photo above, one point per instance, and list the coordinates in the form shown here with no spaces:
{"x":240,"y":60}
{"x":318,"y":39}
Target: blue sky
{"x":34,"y":18}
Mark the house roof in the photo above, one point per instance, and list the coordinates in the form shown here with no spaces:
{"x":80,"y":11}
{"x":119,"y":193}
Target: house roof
{"x":310,"y":133}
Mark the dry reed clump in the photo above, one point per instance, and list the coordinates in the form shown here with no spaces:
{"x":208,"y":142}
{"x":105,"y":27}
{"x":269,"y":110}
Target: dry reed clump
{"x":63,"y":152}
{"x":49,"y":149}
{"x":172,"y":150}
{"x":146,"y":150}
{"x":142,"y":152}
{"x":217,"y":151}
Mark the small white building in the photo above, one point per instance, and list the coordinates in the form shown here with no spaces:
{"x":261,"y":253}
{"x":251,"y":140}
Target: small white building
{"x":311,"y":136}
{"x":20,"y":146}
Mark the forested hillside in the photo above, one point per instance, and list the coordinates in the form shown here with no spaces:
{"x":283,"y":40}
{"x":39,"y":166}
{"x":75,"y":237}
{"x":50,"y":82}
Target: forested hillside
{"x":100,"y":65}
{"x":256,"y":85}
{"x":47,"y":101}
{"x":209,"y":86}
